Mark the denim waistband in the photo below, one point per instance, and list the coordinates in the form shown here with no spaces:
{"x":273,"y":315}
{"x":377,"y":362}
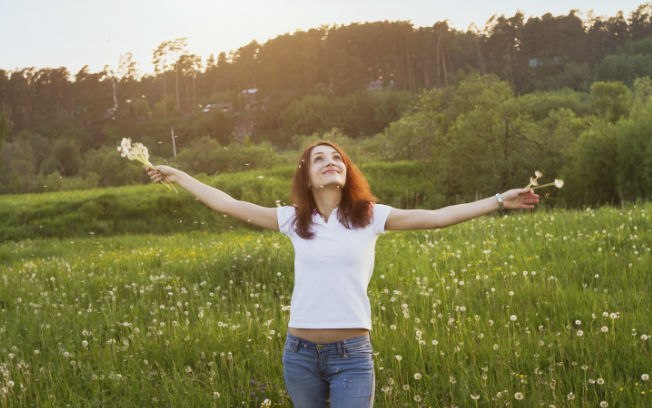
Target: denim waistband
{"x":295,"y":343}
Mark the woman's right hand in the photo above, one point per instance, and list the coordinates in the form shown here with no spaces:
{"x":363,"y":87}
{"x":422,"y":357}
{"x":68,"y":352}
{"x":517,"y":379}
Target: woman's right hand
{"x":163,"y":173}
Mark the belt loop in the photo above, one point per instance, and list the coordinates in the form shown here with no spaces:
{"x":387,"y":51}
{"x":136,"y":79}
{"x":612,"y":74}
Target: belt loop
{"x":340,"y":348}
{"x":294,"y":343}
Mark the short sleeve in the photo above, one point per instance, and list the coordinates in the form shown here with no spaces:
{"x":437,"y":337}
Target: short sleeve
{"x":285,"y":216}
{"x":381,"y":212}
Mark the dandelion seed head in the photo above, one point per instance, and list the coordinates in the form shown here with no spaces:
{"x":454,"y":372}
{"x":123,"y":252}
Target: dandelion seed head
{"x":519,"y":396}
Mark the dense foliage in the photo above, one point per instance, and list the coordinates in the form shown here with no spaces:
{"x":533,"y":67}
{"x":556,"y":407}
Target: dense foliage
{"x":483,"y":108}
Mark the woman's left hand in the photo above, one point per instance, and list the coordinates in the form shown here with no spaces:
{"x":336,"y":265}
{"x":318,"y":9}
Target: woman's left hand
{"x":520,"y":198}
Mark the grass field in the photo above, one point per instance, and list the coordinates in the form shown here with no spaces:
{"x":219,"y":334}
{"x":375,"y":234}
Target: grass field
{"x":532,"y":309}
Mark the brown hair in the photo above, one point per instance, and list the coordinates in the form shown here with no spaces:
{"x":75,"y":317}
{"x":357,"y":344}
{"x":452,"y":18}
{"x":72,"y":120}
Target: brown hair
{"x":355,"y":209}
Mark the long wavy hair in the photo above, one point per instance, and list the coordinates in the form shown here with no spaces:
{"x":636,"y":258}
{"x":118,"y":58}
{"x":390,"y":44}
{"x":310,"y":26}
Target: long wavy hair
{"x":356,"y":207}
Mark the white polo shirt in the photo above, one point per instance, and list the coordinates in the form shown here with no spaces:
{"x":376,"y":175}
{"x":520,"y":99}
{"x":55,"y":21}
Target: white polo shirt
{"x":332,"y":270}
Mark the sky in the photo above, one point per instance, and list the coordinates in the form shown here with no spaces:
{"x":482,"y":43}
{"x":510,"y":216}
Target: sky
{"x":74,"y":33}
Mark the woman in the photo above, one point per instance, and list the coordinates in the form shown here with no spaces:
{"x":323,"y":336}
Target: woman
{"x":333,"y":226}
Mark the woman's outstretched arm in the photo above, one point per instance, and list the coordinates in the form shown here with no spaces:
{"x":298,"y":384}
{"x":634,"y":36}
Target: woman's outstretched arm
{"x":216,"y":199}
{"x":519,"y":198}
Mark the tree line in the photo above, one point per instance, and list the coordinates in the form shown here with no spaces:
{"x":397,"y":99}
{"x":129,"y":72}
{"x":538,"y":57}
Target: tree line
{"x":367,"y":80}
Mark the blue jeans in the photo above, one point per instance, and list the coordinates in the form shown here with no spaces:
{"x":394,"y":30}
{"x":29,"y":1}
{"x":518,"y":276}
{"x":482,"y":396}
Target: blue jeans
{"x":340,"y":373}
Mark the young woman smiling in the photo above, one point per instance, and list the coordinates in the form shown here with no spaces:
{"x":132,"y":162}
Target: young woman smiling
{"x":333,"y":224}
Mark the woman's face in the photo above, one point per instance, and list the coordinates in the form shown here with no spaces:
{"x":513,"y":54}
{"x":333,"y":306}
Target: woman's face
{"x":326,"y":167}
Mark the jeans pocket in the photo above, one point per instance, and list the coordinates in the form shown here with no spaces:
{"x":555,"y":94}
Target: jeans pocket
{"x":290,"y":346}
{"x":361,"y":348}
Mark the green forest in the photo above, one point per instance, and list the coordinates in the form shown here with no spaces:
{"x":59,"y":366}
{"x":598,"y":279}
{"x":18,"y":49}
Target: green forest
{"x":478,"y":111}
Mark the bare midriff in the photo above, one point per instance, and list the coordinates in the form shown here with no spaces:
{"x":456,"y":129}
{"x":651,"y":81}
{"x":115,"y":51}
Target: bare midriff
{"x":322,"y":336}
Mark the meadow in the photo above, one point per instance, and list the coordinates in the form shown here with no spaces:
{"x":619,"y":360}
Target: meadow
{"x":548,"y":308}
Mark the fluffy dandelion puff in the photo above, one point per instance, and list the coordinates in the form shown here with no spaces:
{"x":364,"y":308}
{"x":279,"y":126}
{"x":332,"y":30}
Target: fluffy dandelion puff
{"x":417,"y":376}
{"x":604,"y":404}
{"x":398,"y":357}
{"x":645,"y":377}
{"x":534,"y":182}
{"x":138,"y":152}
{"x":519,"y":396}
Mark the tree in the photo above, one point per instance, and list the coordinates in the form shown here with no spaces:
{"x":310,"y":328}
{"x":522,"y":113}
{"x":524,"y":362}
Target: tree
{"x":4,"y":128}
{"x":189,"y":66}
{"x":245,"y":65}
{"x":162,"y":58}
{"x":127,"y":69}
{"x":610,"y":100}
{"x":640,"y":25}
{"x":67,"y":156}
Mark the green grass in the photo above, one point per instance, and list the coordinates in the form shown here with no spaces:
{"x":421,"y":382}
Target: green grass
{"x":154,"y":209}
{"x":553,"y":306}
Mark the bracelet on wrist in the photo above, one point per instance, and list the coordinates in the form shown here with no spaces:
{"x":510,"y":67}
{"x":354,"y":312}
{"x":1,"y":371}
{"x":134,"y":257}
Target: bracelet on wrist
{"x":501,"y":202}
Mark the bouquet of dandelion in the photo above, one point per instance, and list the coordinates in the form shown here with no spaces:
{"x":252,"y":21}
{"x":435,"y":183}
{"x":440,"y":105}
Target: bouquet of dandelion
{"x":534,"y":182}
{"x":138,"y":152}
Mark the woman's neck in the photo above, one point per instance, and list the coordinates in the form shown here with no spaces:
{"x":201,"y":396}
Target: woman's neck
{"x":327,"y":199}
